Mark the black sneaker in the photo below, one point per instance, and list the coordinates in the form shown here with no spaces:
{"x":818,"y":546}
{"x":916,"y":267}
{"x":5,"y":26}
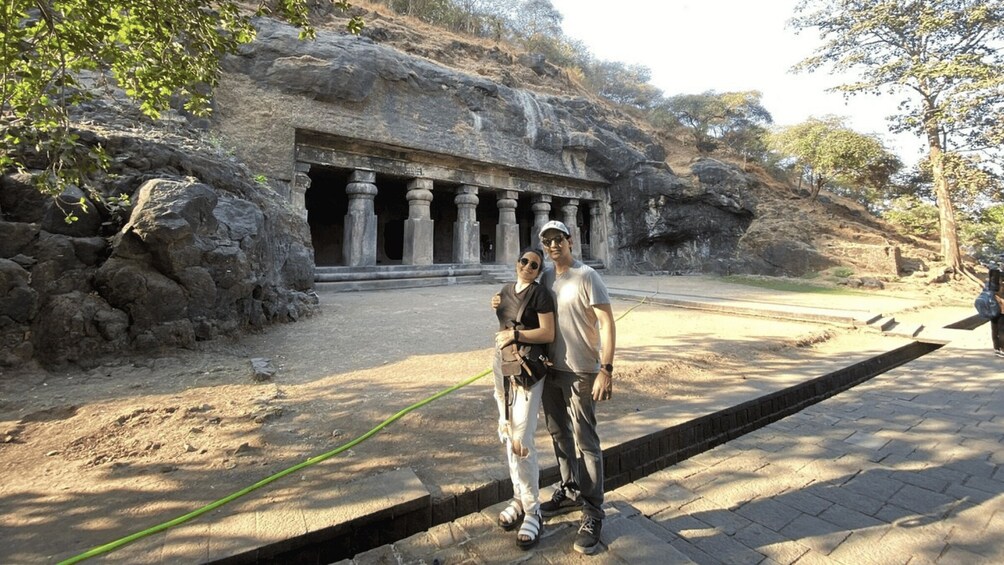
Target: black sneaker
{"x":560,"y":503}
{"x":999,"y":352}
{"x":587,"y":541}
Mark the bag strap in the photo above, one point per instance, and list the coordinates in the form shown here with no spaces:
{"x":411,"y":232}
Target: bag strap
{"x":522,"y":305}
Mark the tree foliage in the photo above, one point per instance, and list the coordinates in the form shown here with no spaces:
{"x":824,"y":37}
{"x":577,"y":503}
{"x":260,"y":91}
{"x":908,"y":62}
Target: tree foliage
{"x":827,"y":152}
{"x":735,"y":119}
{"x":943,"y":56}
{"x":157,"y":52}
{"x":622,"y":83}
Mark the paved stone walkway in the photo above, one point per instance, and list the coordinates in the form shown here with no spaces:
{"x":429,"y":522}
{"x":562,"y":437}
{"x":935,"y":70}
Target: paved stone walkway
{"x":905,"y":468}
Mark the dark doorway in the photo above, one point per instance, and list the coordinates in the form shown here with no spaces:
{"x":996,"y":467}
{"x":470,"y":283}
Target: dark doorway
{"x":326,"y":208}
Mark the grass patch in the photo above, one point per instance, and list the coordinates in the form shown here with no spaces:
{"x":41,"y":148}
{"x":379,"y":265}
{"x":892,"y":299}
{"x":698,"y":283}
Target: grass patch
{"x":788,"y":285}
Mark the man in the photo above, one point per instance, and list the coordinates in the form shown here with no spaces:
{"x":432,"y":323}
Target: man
{"x":582,"y":376}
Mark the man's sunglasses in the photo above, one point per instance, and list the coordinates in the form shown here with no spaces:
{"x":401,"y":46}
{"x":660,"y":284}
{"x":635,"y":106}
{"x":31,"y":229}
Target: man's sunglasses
{"x":549,"y":241}
{"x":533,"y":264}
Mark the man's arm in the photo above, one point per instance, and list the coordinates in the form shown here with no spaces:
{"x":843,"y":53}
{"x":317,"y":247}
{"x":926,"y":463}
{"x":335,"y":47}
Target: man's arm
{"x":603,"y":386}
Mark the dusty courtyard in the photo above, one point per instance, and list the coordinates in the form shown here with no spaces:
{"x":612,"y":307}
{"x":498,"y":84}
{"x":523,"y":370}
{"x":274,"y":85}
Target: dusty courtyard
{"x":89,"y":456}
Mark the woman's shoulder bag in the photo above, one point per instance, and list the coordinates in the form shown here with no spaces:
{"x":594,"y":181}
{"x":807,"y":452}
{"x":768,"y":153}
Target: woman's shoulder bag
{"x":526,"y":363}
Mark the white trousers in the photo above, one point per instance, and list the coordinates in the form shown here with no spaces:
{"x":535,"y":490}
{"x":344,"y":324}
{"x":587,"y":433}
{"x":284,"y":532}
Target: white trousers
{"x":520,"y":428}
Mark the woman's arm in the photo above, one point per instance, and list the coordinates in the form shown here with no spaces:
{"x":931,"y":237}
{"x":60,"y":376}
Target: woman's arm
{"x":543,"y":334}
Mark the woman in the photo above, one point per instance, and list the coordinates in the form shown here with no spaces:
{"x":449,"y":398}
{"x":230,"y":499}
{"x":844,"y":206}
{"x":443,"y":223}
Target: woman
{"x":518,"y":406}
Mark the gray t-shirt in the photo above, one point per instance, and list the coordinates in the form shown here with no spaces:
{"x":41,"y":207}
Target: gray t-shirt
{"x":576,"y":345}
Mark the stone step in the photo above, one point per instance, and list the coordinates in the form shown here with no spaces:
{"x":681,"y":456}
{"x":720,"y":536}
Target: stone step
{"x":905,"y":329}
{"x":391,"y":284}
{"x":410,"y":273}
{"x":884,"y":323}
{"x":942,"y":336}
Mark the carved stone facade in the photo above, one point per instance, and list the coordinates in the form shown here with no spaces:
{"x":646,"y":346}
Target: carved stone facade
{"x":371,"y":204}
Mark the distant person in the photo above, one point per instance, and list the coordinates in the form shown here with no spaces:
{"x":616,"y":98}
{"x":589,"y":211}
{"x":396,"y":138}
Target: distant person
{"x":518,"y":406}
{"x":994,"y":284}
{"x":582,"y":374}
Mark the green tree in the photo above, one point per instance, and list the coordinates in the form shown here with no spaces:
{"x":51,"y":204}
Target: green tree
{"x":944,"y":56}
{"x":912,"y":216}
{"x":155,"y":51}
{"x":733,"y":118}
{"x":827,"y":152}
{"x":622,"y":83}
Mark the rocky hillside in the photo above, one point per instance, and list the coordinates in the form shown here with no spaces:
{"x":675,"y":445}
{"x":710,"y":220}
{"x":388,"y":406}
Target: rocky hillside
{"x":209,"y":249}
{"x":765,"y":225}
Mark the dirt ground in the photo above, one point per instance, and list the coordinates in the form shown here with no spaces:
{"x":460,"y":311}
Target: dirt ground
{"x":103,"y":452}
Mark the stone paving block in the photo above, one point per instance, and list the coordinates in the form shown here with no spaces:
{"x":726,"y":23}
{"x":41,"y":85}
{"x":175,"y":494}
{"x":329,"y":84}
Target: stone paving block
{"x":232,"y":533}
{"x":901,"y":517}
{"x":418,"y":547}
{"x":383,"y":555}
{"x":866,"y":440}
{"x":680,"y":523}
{"x":720,"y":519}
{"x":499,"y":546}
{"x":988,"y":485}
{"x":819,"y":535}
{"x":849,"y":519}
{"x":188,"y":541}
{"x":848,"y":498}
{"x":476,"y":524}
{"x":633,"y":543}
{"x":961,"y":554}
{"x":694,"y":553}
{"x":922,"y":540}
{"x":804,"y":501}
{"x":947,"y":474}
{"x":697,"y":481}
{"x":732,"y":492}
{"x":726,"y":549}
{"x":874,"y":483}
{"x":974,"y":528}
{"x":459,"y":554}
{"x":755,"y":535}
{"x":864,"y":546}
{"x":629,"y":491}
{"x":923,"y":480}
{"x":923,"y":501}
{"x":785,"y":552}
{"x":447,"y":535}
{"x":769,"y":513}
{"x":974,"y":467}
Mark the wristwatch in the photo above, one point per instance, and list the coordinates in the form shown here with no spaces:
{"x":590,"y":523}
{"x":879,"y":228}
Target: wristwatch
{"x":608,"y":367}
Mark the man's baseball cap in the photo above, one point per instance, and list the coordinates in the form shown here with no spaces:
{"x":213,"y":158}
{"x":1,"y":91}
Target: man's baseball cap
{"x":554,"y":225}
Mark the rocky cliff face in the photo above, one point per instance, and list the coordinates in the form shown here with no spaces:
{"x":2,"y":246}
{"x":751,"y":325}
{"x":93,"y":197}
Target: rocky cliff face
{"x":354,"y":86}
{"x":204,"y":252}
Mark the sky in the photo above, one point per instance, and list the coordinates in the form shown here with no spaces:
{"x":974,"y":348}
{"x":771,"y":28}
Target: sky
{"x":692,"y":46}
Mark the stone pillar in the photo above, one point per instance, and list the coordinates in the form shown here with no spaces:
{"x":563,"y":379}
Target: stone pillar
{"x":298,"y":188}
{"x":541,"y":215}
{"x":418,"y":228}
{"x":598,"y":232}
{"x":467,"y":229}
{"x":507,"y":230}
{"x":360,"y":236}
{"x":569,"y":215}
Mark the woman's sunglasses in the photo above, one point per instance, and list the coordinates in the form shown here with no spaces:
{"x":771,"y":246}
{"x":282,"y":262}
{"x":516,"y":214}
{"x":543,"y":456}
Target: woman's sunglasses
{"x":533,"y":264}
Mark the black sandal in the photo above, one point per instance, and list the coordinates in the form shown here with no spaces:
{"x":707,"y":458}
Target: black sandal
{"x":533,"y":526}
{"x":512,"y":516}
